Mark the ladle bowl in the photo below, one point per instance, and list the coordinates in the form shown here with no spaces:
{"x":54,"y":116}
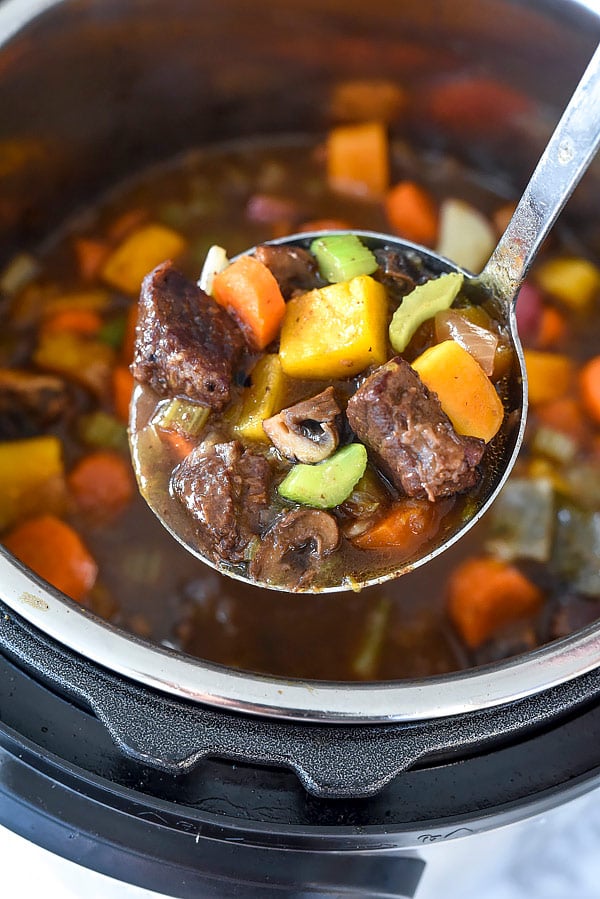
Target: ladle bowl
{"x":568,"y":154}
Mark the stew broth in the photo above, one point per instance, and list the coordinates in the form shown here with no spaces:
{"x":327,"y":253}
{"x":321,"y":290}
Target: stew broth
{"x":239,"y":196}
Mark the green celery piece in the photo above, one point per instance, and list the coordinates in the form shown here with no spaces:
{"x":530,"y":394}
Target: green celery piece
{"x":99,"y":429}
{"x":181,"y":415}
{"x":328,"y":483}
{"x":342,"y":257}
{"x":420,"y":304}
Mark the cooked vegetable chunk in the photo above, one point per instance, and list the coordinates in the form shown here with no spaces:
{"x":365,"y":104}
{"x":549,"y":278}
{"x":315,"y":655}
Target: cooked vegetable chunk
{"x":308,"y":431}
{"x":52,"y":549}
{"x":263,"y":398}
{"x":31,"y":477}
{"x":249,"y":291}
{"x":328,"y":483}
{"x":139,"y":253}
{"x":342,"y":257}
{"x":549,"y":375}
{"x":485,"y":594}
{"x":335,"y":331}
{"x":465,"y":392}
{"x":421,"y":304}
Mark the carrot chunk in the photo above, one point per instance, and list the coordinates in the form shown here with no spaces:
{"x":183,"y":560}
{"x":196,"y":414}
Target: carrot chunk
{"x":358,"y":159}
{"x":77,"y":321}
{"x":56,"y":553}
{"x":101,"y":484}
{"x":565,"y":415}
{"x":589,"y":384}
{"x":248,"y":290}
{"x":122,"y":384}
{"x":412,"y":213}
{"x":406,"y":526}
{"x":553,"y":328}
{"x":91,"y":255}
{"x":485,"y":594}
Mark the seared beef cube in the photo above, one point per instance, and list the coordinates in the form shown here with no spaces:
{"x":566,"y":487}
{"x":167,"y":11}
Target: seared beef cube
{"x":410,"y":436}
{"x":226,"y":490}
{"x":29,"y":403}
{"x":186,"y":343}
{"x":294,"y":269}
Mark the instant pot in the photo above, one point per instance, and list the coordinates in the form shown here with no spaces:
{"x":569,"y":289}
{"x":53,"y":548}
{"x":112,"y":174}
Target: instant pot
{"x":184,"y":777}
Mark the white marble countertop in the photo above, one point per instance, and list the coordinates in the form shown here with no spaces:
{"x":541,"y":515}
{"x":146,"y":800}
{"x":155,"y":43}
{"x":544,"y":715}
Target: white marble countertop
{"x":554,"y":857}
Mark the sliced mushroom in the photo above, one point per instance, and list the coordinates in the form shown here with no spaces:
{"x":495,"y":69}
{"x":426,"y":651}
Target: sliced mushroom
{"x":306,"y":432}
{"x":294,"y":546}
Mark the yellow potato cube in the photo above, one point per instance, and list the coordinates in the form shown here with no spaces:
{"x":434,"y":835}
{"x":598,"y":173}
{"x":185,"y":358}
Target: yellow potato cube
{"x":336,"y":331}
{"x":465,"y":392}
{"x":571,"y":280}
{"x":31,"y":477}
{"x":138,"y":254}
{"x":262,"y":399}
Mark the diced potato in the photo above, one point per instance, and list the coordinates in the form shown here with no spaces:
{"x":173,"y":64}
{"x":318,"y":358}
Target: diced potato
{"x":466,"y":394}
{"x":88,"y":362}
{"x":466,"y":237}
{"x":549,"y":375}
{"x":138,"y":254}
{"x":335,"y":331}
{"x":571,"y":280}
{"x":31,"y":478}
{"x":262,"y":399}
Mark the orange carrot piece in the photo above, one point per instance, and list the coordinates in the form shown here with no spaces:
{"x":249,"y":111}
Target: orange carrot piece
{"x":77,"y":321}
{"x":123,"y":384}
{"x":56,"y":553}
{"x":406,"y":526}
{"x":101,"y":484}
{"x":250,"y":293}
{"x":325,"y":225}
{"x":553,"y":328}
{"x":589,"y":385}
{"x":129,"y":338}
{"x":565,"y":415}
{"x":412,"y":212}
{"x":550,"y":375}
{"x":91,"y":255}
{"x":485,"y":594}
{"x":180,"y":445}
{"x":358,"y":159}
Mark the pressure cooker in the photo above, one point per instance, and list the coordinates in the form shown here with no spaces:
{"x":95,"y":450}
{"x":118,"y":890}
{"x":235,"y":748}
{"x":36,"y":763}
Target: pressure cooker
{"x":191,"y":778}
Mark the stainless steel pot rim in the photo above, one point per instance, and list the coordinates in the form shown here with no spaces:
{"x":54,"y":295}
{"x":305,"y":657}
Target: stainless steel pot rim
{"x":188,"y":678}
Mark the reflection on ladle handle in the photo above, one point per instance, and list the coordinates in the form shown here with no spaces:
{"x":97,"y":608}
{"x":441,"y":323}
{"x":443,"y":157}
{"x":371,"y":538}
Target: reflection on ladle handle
{"x":565,"y":159}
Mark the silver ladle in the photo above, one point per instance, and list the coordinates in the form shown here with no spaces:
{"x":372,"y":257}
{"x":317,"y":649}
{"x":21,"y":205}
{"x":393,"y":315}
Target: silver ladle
{"x":567,"y":156}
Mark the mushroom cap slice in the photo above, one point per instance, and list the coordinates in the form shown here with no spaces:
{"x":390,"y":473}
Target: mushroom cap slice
{"x":306,"y":432}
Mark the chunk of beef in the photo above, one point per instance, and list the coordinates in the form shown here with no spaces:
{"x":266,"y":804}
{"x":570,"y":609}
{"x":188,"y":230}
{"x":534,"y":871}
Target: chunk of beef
{"x":226,"y":490}
{"x":185,"y":342}
{"x":29,"y":402}
{"x":411,"y":437}
{"x":294,"y":269}
{"x":292,"y":550}
{"x":306,"y":432}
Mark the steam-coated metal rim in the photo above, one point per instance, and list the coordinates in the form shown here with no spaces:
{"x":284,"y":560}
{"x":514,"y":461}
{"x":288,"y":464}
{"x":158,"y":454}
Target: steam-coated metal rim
{"x":371,"y":703}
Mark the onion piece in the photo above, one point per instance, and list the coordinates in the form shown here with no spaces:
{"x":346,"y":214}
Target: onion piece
{"x":216,"y":260}
{"x":479,"y":342}
{"x":466,"y":237}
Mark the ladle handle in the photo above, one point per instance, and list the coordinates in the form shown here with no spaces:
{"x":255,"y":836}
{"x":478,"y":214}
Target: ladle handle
{"x":565,"y":159}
